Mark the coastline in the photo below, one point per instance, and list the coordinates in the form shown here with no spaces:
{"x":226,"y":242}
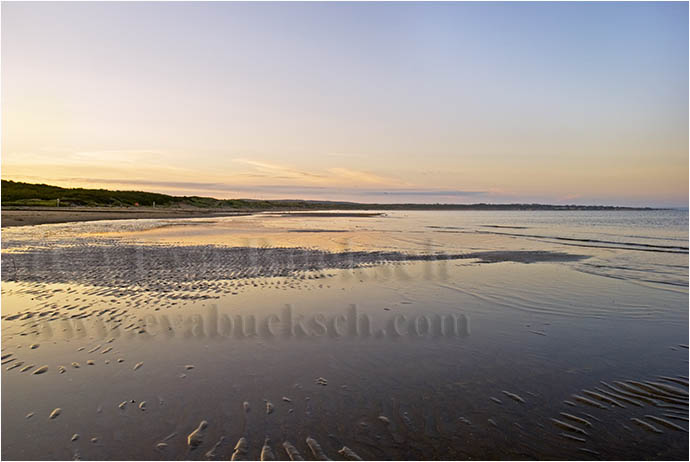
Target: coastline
{"x":15,"y":215}
{"x":29,"y":216}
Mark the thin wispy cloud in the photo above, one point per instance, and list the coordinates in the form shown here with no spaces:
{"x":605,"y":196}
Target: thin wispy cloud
{"x":341,"y":176}
{"x":429,"y":192}
{"x":359,"y":176}
{"x":278,"y":170}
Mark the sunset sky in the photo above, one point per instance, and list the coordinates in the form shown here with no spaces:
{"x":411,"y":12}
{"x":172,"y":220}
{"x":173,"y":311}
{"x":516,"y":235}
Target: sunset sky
{"x":390,"y":102}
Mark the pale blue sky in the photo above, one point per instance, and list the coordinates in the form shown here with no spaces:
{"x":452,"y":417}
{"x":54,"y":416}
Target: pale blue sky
{"x":426,"y":102}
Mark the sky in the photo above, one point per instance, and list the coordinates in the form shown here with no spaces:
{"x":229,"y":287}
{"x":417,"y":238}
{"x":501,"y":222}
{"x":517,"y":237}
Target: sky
{"x":583,"y":103}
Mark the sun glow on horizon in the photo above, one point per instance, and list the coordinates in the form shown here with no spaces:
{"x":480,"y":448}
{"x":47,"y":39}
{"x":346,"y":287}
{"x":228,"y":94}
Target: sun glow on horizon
{"x":458,"y":102}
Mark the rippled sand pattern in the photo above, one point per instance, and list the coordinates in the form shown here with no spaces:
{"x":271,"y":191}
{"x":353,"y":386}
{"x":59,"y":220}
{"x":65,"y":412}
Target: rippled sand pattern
{"x":184,"y":342}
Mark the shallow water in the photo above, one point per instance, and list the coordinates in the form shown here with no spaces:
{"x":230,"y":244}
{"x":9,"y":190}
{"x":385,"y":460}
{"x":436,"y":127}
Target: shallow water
{"x":418,"y":344}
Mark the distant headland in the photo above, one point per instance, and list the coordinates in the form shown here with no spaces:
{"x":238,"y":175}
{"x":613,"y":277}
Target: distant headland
{"x":19,"y":194}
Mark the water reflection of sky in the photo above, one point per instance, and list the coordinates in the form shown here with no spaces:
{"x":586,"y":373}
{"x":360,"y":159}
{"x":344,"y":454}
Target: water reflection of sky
{"x":544,"y":331}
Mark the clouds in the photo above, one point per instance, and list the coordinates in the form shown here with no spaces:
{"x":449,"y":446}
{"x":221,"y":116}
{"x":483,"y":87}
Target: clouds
{"x":319,"y":99}
{"x":333,"y":176}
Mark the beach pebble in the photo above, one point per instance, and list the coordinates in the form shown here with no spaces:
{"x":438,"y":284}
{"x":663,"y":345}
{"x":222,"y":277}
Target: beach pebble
{"x":241,"y":449}
{"x":40,"y":370}
{"x":349,"y":454}
{"x":195,"y":438}
{"x":15,"y":365}
{"x":291,"y":451}
{"x":266,"y":451}
{"x":316,"y":449}
{"x":513,"y":396}
{"x":56,"y":412}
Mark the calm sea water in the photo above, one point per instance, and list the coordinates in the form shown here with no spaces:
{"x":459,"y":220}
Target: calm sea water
{"x":421,"y":359}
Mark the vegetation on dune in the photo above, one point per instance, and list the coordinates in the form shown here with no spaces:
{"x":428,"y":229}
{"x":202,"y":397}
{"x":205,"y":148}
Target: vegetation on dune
{"x":15,"y":193}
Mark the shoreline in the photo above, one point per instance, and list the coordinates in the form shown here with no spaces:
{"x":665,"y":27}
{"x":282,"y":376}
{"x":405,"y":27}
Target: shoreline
{"x":30,"y":216}
{"x":13,"y":216}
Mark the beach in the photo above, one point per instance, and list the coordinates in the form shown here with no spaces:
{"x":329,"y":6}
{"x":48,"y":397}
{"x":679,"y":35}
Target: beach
{"x":344,"y":231}
{"x":29,"y":216}
{"x":424,"y":335}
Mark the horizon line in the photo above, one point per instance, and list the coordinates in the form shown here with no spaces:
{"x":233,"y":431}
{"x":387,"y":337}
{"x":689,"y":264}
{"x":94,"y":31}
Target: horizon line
{"x":395,"y":204}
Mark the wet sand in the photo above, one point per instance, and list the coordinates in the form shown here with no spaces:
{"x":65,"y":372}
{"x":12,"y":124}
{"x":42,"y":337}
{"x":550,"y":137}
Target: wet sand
{"x":415,"y":351}
{"x":28,"y":216}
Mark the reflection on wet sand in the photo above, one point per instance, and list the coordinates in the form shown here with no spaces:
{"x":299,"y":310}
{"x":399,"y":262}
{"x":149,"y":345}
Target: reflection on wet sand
{"x":189,"y":351}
